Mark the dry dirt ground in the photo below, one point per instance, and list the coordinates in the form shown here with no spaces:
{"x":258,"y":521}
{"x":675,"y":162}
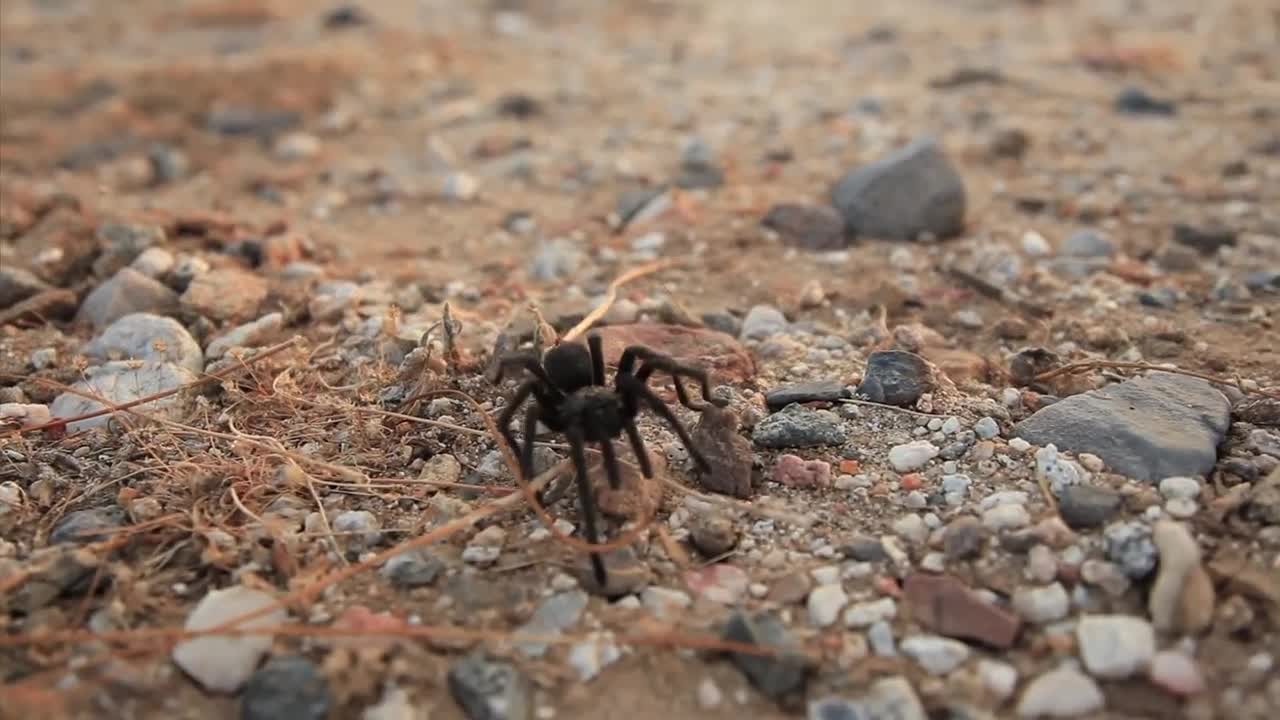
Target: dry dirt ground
{"x":477,"y":153}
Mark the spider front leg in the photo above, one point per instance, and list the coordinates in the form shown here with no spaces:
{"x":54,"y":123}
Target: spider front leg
{"x":633,"y":390}
{"x":651,"y":362}
{"x":504,"y":423}
{"x":523,"y":360}
{"x":587,"y":501}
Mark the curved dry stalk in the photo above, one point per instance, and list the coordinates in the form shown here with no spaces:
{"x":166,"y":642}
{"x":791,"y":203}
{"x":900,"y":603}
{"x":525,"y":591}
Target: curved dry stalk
{"x":611,"y":296}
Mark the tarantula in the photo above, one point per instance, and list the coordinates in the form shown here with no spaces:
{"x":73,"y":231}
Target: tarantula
{"x":571,"y":397}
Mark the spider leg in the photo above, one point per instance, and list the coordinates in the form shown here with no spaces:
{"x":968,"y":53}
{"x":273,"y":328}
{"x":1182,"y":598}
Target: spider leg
{"x":526,"y":452}
{"x":642,"y":392}
{"x":646,"y":371}
{"x":610,"y":459}
{"x":587,"y":501}
{"x":637,"y":446}
{"x":596,"y":345}
{"x":504,"y":420}
{"x":651,"y":361}
{"x":523,"y":360}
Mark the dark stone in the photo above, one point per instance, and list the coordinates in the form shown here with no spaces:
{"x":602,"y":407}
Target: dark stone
{"x":723,"y":322}
{"x":1009,"y":143}
{"x":780,"y":677}
{"x":964,"y":539}
{"x":1148,"y":428}
{"x":168,"y":164}
{"x":245,"y":122}
{"x":810,"y":227}
{"x":1088,"y":506}
{"x":912,"y":192}
{"x":490,"y":690}
{"x":699,"y":167}
{"x":413,"y":569}
{"x":1263,"y":280}
{"x":345,"y":16}
{"x":87,"y":525}
{"x":797,"y":426}
{"x":1206,"y":240}
{"x":637,"y":203}
{"x":1030,"y":362}
{"x":865,"y":549}
{"x":818,"y":391}
{"x":17,"y":285}
{"x":1162,"y":297}
{"x":520,"y":106}
{"x":896,"y":377}
{"x":1135,"y":101}
{"x":286,"y":687}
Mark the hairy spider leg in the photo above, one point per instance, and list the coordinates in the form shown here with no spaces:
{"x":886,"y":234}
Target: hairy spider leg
{"x":610,"y":460}
{"x":633,"y":386}
{"x":574,"y":434}
{"x":651,"y":361}
{"x":525,"y":360}
{"x":526,"y":452}
{"x":596,"y":345}
{"x":509,"y":411}
{"x":637,"y":446}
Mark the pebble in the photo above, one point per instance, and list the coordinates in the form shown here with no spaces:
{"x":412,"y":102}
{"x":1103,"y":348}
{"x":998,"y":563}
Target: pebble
{"x":806,"y":392}
{"x":126,"y":293}
{"x":710,"y":696}
{"x":937,"y":655}
{"x":880,"y":637}
{"x":964,"y":538}
{"x":121,"y":382}
{"x":896,"y":377}
{"x":796,"y":426}
{"x":1006,"y":517}
{"x":250,"y":334}
{"x":1129,"y":545}
{"x":1136,"y":101}
{"x":1105,"y":575}
{"x":912,"y":527}
{"x":664,"y":602}
{"x":1115,"y":646}
{"x":1064,"y":692}
{"x":999,"y":678}
{"x":1147,"y":428}
{"x":817,"y":228}
{"x":825,"y":603}
{"x":488,"y":689}
{"x":286,"y":687}
{"x":720,"y":583}
{"x":729,"y":454}
{"x":297,"y":146}
{"x":866,"y":614}
{"x":1057,"y":471}
{"x":795,"y":471}
{"x":1088,"y":506}
{"x":357,"y":530}
{"x":911,"y":192}
{"x":1041,"y":605}
{"x":761,"y":322}
{"x":395,"y":704}
{"x":1035,"y":244}
{"x":416,"y":568}
{"x":86,"y":525}
{"x":1042,"y":565}
{"x":146,"y":337}
{"x":225,"y":294}
{"x":890,"y":698}
{"x":1176,"y":672}
{"x":987,"y":428}
{"x":945,"y":605}
{"x":1181,"y":508}
{"x":912,"y":456}
{"x":330,"y":300}
{"x":25,"y":414}
{"x":713,"y":534}
{"x":555,"y":615}
{"x":777,"y":676}
{"x":224,"y":663}
{"x":1185,"y":488}
{"x":1088,"y":243}
{"x":1182,"y":597}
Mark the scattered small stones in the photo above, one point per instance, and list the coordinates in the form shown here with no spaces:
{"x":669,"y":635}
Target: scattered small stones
{"x":796,"y":426}
{"x":224,"y":663}
{"x":286,"y":687}
{"x":777,"y":676}
{"x":896,"y":377}
{"x":1147,"y":428}
{"x":912,"y":192}
{"x":720,"y":583}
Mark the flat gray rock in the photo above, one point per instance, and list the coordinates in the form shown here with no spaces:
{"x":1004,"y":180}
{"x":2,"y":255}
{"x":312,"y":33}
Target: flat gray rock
{"x":913,"y":191}
{"x":147,"y":337}
{"x":1148,"y":428}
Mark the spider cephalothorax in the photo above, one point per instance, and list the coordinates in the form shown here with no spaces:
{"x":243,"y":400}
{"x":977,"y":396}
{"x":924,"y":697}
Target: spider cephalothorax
{"x":571,"y":397}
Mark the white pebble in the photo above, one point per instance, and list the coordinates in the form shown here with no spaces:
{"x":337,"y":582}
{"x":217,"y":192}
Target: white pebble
{"x":1062,"y":693}
{"x":1019,"y":445}
{"x":936,"y":654}
{"x":1000,"y":678}
{"x":709,"y":694}
{"x":1042,"y":605}
{"x":865,"y":614}
{"x":1006,"y":517}
{"x":912,"y":456}
{"x":1179,"y":487}
{"x":825,"y":604}
{"x":1115,"y":646}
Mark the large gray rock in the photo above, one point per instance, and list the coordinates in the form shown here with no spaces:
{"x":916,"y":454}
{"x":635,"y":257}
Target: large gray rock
{"x":121,"y":382}
{"x":913,"y":191}
{"x":127,"y":292}
{"x":1148,"y":428}
{"x":147,"y":337}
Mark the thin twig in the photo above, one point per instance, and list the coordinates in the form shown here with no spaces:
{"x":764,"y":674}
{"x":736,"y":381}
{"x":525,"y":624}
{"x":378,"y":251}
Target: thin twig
{"x":612,"y":295}
{"x":886,"y":406}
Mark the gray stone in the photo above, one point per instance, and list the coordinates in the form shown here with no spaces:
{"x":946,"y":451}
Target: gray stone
{"x":1148,"y":428}
{"x":124,"y":242}
{"x":896,"y":377}
{"x":87,"y":525}
{"x":412,"y":569}
{"x":490,"y":690}
{"x":147,"y":337}
{"x":1115,"y":646}
{"x":1130,"y":545}
{"x":986,"y":428}
{"x":1088,"y":243}
{"x":127,"y":292}
{"x":121,"y":382}
{"x":892,"y":698}
{"x":555,"y":615}
{"x":1041,"y":604}
{"x":777,"y":676}
{"x":554,"y":260}
{"x":796,"y":426}
{"x":247,"y":335}
{"x":937,"y":655}
{"x":286,"y":687}
{"x":762,"y":321}
{"x":915,"y":190}
{"x":810,"y":227}
{"x":1087,"y":506}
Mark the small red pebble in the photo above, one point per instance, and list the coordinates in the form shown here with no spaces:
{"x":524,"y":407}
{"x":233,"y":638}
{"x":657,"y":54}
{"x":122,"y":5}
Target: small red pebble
{"x":850,"y":467}
{"x":912,"y":481}
{"x":888,"y":586}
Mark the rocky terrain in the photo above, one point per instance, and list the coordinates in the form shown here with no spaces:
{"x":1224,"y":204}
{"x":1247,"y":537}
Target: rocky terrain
{"x":989,"y":291}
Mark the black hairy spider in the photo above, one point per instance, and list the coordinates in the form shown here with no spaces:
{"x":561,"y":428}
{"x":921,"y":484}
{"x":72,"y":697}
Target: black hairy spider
{"x":571,"y":397}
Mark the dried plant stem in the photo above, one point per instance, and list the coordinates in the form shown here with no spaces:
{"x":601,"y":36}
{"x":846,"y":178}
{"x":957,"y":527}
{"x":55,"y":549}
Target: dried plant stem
{"x":612,"y":295}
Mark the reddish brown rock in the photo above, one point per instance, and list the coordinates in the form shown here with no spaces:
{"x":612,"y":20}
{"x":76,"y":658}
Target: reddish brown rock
{"x":226,"y":294}
{"x":729,"y":454}
{"x":638,"y":497}
{"x":795,"y":471}
{"x":720,"y":354}
{"x":947,"y":606}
